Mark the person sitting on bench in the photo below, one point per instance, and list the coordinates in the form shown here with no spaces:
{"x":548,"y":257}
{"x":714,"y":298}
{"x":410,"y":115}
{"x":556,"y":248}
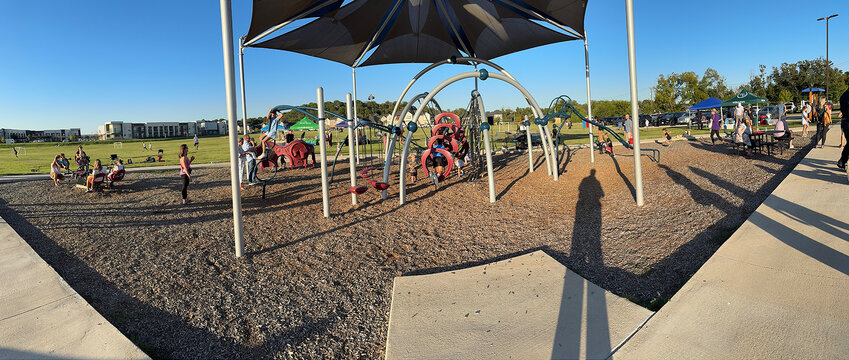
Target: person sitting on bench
{"x":96,"y":172}
{"x":118,"y":167}
{"x":782,"y":132}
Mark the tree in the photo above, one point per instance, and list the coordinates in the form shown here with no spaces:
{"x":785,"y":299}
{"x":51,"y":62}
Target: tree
{"x":785,"y":96}
{"x":72,"y":137}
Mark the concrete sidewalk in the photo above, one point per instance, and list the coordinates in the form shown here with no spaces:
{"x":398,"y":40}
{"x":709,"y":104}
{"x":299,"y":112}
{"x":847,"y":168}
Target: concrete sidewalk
{"x":525,"y":307}
{"x":777,"y":288}
{"x":42,"y":317}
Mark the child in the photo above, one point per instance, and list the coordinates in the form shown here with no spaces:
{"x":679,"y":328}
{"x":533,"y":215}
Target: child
{"x":667,"y":137}
{"x":274,"y":118}
{"x":412,"y":165}
{"x":55,"y":172}
{"x":119,"y":165}
{"x":608,"y":145}
{"x":460,"y":163}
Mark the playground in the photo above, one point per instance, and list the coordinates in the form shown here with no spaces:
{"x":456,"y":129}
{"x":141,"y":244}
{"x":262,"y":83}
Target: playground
{"x":319,"y":287}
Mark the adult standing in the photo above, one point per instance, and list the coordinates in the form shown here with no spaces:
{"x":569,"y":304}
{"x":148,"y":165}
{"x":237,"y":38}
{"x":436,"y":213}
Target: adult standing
{"x":629,"y":125}
{"x":242,"y":163}
{"x":185,"y":170}
{"x":820,"y":119}
{"x":196,"y":141}
{"x":806,"y":119}
{"x":738,"y":115}
{"x":714,"y":126}
{"x":844,"y":127}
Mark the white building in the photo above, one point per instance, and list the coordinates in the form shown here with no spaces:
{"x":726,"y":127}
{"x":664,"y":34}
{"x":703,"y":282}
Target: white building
{"x":19,"y":136}
{"x":154,"y":130}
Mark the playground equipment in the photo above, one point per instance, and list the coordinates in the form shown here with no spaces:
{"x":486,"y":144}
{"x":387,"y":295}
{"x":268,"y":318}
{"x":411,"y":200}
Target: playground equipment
{"x":561,"y":107}
{"x":483,"y":74}
{"x":295,"y":153}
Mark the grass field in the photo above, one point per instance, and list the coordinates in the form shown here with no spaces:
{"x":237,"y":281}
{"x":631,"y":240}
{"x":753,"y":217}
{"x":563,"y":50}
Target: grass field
{"x":36,"y":157}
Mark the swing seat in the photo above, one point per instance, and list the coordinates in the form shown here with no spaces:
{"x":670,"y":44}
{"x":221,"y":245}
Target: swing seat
{"x":359,"y":189}
{"x":378,"y":185}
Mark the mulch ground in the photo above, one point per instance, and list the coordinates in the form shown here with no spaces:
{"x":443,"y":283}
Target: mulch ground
{"x":165,"y":274}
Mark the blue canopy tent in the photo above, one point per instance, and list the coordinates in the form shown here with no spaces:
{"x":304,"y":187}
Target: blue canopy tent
{"x":709,"y":103}
{"x":813,"y":90}
{"x":280,"y":127}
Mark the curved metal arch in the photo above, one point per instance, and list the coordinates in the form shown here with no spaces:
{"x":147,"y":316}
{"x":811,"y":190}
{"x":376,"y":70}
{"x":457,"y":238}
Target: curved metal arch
{"x":436,"y":90}
{"x":387,"y":164}
{"x":430,"y":67}
{"x":304,"y":110}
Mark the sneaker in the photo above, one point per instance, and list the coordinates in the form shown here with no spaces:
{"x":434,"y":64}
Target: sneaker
{"x":792,"y":147}
{"x":841,"y":166}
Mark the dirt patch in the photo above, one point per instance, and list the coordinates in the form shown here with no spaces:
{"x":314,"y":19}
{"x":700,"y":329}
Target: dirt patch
{"x":165,"y":273}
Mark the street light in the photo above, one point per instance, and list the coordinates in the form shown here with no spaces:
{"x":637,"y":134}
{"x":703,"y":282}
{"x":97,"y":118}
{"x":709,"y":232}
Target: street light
{"x":827,"y":63}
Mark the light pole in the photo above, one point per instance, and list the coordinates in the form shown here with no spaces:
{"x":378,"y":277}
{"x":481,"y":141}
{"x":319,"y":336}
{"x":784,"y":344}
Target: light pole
{"x":827,"y":63}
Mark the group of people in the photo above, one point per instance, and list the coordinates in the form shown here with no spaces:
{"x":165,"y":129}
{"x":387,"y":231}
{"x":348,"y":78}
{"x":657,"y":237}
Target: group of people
{"x":81,"y":159}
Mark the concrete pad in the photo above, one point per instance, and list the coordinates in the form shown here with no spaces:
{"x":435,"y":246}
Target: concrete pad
{"x":526,"y":307}
{"x":42,"y":317}
{"x":778,"y":288}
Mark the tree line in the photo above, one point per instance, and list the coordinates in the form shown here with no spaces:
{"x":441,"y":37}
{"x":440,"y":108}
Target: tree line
{"x":673,"y":92}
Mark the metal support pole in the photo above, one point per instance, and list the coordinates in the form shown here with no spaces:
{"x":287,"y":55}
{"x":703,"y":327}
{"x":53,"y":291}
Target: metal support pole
{"x":635,"y":106}
{"x":486,"y":145}
{"x":325,"y":195}
{"x":242,"y":81}
{"x":230,"y":86}
{"x":356,"y":151}
{"x":589,"y":98}
{"x":402,"y":178}
{"x":527,"y":125}
{"x":544,"y":145}
{"x":488,"y":148}
{"x":352,"y":163}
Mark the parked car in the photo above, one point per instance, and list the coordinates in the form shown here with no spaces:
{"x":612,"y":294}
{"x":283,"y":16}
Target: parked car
{"x":790,"y":107}
{"x":670,"y":118}
{"x":769,"y":114}
{"x":520,"y":139}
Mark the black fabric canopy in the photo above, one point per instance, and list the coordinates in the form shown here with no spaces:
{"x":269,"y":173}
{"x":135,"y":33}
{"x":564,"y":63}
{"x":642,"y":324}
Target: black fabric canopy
{"x":371,"y":32}
{"x":267,"y":14}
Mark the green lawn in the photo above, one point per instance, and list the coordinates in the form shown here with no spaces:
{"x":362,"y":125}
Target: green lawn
{"x":38,"y":156}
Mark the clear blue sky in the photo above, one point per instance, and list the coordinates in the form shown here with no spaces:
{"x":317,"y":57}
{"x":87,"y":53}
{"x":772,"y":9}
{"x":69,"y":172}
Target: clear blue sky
{"x":82,"y":63}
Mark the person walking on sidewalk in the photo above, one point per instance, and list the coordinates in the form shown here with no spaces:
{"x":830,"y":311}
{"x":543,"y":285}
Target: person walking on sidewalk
{"x":714,"y":126}
{"x":844,"y":127}
{"x":821,"y":118}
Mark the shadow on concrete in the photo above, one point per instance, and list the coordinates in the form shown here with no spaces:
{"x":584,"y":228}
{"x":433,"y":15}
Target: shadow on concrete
{"x":586,"y":248}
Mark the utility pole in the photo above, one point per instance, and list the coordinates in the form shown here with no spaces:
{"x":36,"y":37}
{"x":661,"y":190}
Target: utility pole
{"x":827,"y":63}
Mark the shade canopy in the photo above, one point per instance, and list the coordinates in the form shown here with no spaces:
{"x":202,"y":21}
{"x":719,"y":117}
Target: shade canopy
{"x":813,"y":90}
{"x":371,"y":32}
{"x":709,"y":103}
{"x":341,"y":124}
{"x":744,"y":98}
{"x":304,"y":124}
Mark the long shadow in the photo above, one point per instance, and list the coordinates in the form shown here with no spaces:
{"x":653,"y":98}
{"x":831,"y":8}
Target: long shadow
{"x":586,"y":248}
{"x":162,"y":334}
{"x":510,"y":185}
{"x":624,"y":178}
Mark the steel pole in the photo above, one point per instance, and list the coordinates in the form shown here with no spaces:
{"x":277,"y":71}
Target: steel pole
{"x":230,"y":89}
{"x":325,"y":194}
{"x":635,"y":106}
{"x":242,"y":81}
{"x":589,"y":98}
{"x":352,"y":163}
{"x":827,"y":63}
{"x":356,"y":151}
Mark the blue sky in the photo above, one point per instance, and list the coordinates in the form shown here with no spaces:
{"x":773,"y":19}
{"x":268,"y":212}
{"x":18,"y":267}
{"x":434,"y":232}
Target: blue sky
{"x":82,"y":63}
